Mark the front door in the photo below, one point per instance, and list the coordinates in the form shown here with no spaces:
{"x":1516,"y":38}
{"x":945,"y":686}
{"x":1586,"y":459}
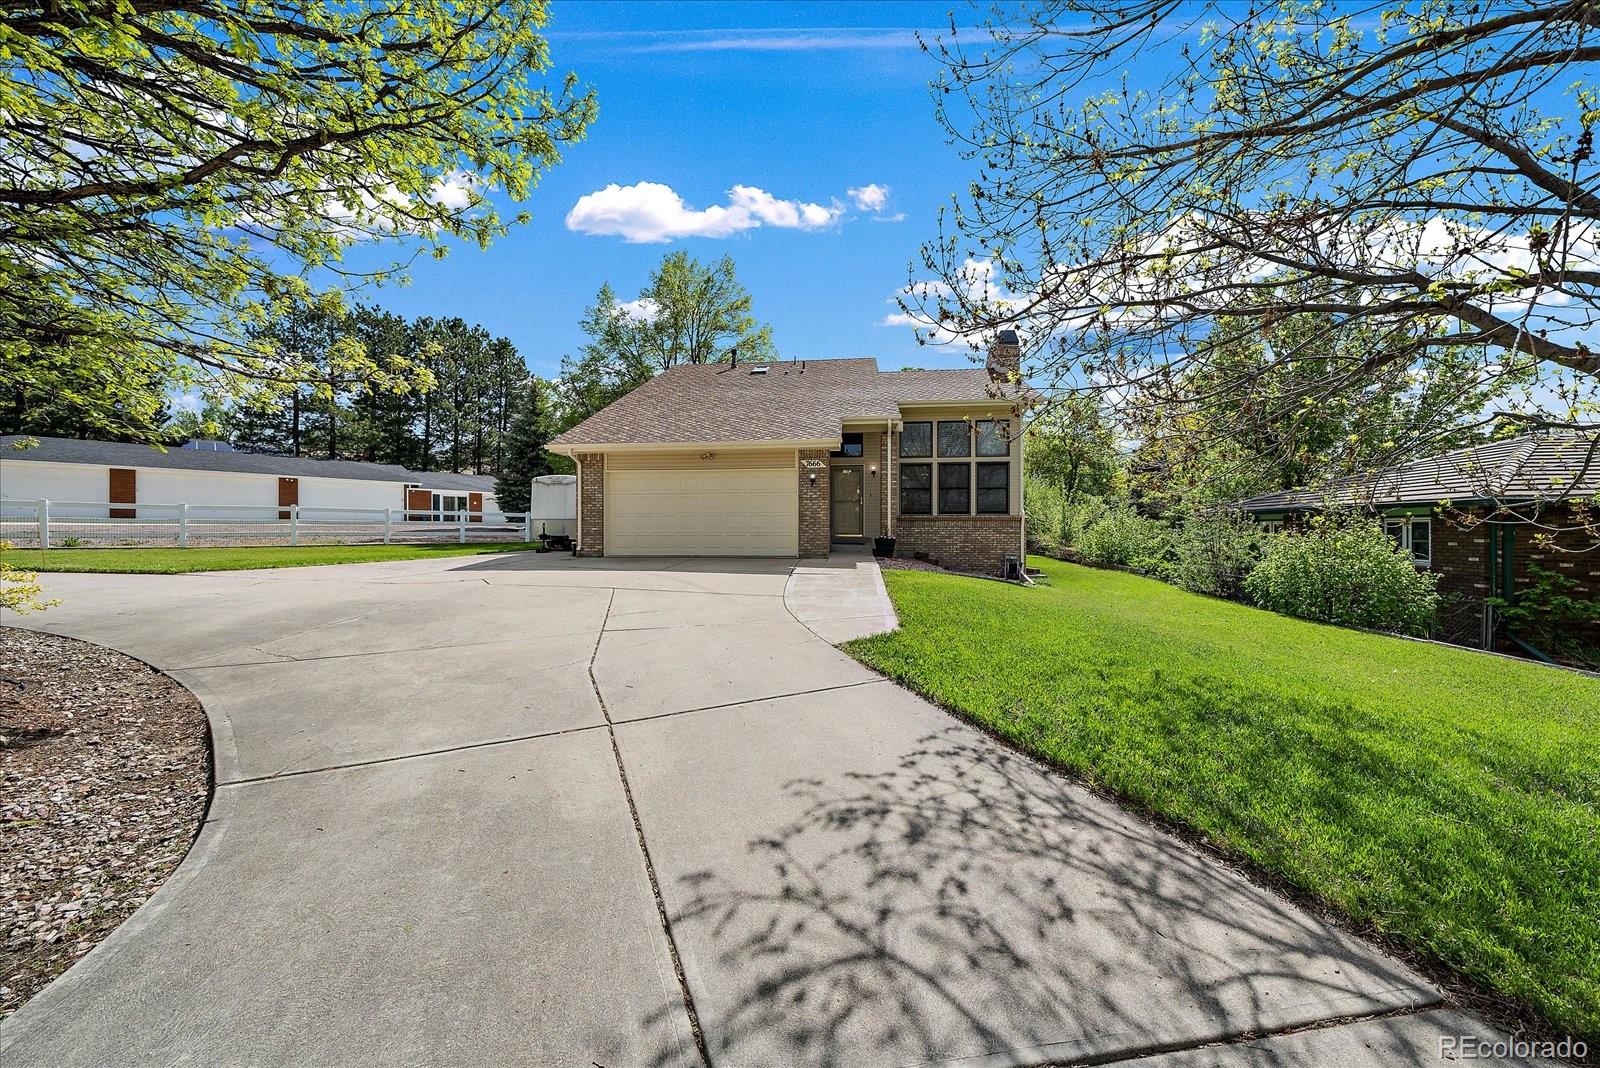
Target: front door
{"x":846,"y":511}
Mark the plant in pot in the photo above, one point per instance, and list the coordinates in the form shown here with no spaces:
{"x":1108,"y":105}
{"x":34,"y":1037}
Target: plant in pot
{"x":883,"y":547}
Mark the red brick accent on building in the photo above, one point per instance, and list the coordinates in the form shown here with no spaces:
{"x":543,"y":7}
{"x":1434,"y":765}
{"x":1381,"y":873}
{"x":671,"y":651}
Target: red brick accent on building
{"x":124,"y":489}
{"x":1461,"y":556}
{"x":1558,"y":542}
{"x":420,"y":499}
{"x":591,"y":503}
{"x":976,"y":543}
{"x":816,"y":533}
{"x":288,"y":493}
{"x":474,"y":507}
{"x":1570,"y":551}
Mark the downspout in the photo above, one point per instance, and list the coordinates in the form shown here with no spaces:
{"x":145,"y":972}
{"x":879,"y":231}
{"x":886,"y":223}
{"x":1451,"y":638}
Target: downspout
{"x":889,"y":486}
{"x":577,"y":542}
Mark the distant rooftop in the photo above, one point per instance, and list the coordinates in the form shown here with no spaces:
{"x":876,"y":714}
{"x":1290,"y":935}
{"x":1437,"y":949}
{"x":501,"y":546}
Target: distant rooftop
{"x":1533,"y":467}
{"x":206,"y":458}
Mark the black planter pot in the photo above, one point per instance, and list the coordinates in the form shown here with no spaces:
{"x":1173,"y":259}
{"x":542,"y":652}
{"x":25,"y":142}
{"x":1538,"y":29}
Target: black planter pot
{"x":883,"y":547}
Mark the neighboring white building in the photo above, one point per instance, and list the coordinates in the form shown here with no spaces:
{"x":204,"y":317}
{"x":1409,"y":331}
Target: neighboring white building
{"x":108,"y":479}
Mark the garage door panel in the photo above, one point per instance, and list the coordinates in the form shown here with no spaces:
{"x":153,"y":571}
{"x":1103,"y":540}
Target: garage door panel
{"x":741,"y":511}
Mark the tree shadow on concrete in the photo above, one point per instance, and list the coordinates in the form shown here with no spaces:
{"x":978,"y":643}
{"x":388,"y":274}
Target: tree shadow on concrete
{"x":961,"y":902}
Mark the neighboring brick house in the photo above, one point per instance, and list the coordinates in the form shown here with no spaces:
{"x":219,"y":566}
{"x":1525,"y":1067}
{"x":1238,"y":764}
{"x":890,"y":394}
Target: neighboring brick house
{"x":792,"y":459}
{"x":1480,"y":518}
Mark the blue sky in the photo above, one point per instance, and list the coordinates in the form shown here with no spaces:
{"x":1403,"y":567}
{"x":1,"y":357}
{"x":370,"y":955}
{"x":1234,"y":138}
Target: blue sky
{"x":801,"y":101}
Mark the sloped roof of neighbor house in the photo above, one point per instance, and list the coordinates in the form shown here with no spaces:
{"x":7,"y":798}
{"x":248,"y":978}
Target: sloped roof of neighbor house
{"x":1533,"y":467}
{"x":792,"y":401}
{"x":125,"y":454}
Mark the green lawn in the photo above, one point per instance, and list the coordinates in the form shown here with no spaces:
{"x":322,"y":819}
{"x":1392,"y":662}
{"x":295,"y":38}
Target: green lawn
{"x":1448,"y":798}
{"x":237,"y":558}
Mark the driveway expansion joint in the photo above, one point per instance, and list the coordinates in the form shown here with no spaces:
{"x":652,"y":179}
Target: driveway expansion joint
{"x":1242,"y":1038}
{"x":251,"y":780}
{"x":644,"y":849}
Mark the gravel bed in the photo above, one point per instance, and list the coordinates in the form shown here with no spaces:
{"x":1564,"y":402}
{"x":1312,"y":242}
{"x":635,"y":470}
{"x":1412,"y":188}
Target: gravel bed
{"x":895,"y":563}
{"x":104,"y":776}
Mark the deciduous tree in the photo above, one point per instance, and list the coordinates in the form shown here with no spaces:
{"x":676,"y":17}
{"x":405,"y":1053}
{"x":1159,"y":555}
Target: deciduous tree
{"x":689,"y":312}
{"x":171,"y":174}
{"x":1419,"y":173}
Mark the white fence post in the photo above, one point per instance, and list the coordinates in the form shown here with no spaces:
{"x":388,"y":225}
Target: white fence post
{"x":183,"y":525}
{"x":42,"y":513}
{"x":527,"y":527}
{"x":294,"y":524}
{"x":388,"y":518}
{"x":461,"y":527}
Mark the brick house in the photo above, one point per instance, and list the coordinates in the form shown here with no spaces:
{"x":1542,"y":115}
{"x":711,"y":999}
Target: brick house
{"x":1481,"y":518}
{"x":793,"y":459}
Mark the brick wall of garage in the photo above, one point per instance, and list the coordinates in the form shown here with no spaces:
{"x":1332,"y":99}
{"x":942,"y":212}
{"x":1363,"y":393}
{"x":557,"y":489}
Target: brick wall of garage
{"x":591,"y":503}
{"x":815,"y":531}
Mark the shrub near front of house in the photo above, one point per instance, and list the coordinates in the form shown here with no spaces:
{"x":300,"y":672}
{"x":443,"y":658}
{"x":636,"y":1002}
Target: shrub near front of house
{"x":1345,"y":571}
{"x":1124,"y":538}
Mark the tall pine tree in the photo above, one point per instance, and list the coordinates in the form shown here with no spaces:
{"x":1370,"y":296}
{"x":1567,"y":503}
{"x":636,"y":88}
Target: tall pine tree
{"x":523,"y":455}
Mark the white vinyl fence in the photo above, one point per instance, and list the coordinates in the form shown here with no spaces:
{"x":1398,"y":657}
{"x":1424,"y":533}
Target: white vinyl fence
{"x":63,"y":524}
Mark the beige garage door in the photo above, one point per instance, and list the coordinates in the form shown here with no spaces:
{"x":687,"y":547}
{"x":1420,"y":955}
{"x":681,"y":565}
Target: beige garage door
{"x":702,"y":511}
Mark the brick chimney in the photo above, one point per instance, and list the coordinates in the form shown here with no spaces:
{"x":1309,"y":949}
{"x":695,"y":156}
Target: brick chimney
{"x":1005,"y":357}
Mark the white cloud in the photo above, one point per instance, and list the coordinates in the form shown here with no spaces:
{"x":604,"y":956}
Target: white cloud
{"x":454,"y":190}
{"x":651,"y":212}
{"x":979,"y":284}
{"x":643,"y":310}
{"x":870,"y":197}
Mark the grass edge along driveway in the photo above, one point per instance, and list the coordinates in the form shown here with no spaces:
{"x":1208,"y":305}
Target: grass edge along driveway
{"x":237,"y":558}
{"x":1446,"y":798}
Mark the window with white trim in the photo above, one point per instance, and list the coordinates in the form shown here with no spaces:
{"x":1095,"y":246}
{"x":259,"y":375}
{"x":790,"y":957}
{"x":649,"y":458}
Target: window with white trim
{"x":1414,"y":534}
{"x":1270,"y":526}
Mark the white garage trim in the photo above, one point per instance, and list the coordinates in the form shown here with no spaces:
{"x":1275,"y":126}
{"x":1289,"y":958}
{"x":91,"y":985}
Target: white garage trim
{"x":739,"y":505}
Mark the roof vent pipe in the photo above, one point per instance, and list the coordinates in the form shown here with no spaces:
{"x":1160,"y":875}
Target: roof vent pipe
{"x":733,"y":356}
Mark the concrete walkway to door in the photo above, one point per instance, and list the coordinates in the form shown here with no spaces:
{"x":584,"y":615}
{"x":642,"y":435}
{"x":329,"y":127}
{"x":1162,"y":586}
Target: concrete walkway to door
{"x":531,"y":810}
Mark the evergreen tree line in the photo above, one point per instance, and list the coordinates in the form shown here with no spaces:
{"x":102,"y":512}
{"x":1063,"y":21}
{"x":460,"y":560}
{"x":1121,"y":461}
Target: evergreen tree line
{"x":461,"y":422}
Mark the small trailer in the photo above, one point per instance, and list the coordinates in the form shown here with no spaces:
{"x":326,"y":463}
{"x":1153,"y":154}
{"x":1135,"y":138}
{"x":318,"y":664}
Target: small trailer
{"x":553,"y":510}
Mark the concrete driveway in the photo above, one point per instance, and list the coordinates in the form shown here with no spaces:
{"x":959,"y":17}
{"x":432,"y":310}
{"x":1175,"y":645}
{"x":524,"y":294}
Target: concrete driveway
{"x":534,"y":810}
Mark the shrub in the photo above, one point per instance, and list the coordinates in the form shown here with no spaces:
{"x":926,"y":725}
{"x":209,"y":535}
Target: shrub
{"x":1046,"y":504}
{"x":1347,"y":572}
{"x":1214,"y":551}
{"x":1056,"y":523}
{"x":1550,"y":612}
{"x":1124,"y":538}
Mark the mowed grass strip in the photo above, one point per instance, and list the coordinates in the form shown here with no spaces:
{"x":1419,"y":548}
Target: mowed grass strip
{"x":236,"y":558}
{"x":1448,"y":798}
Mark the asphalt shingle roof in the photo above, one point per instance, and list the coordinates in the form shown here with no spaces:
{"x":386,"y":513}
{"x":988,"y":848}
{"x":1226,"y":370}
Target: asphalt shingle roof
{"x":790,"y":401}
{"x":123,"y":454}
{"x":1528,"y":468}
